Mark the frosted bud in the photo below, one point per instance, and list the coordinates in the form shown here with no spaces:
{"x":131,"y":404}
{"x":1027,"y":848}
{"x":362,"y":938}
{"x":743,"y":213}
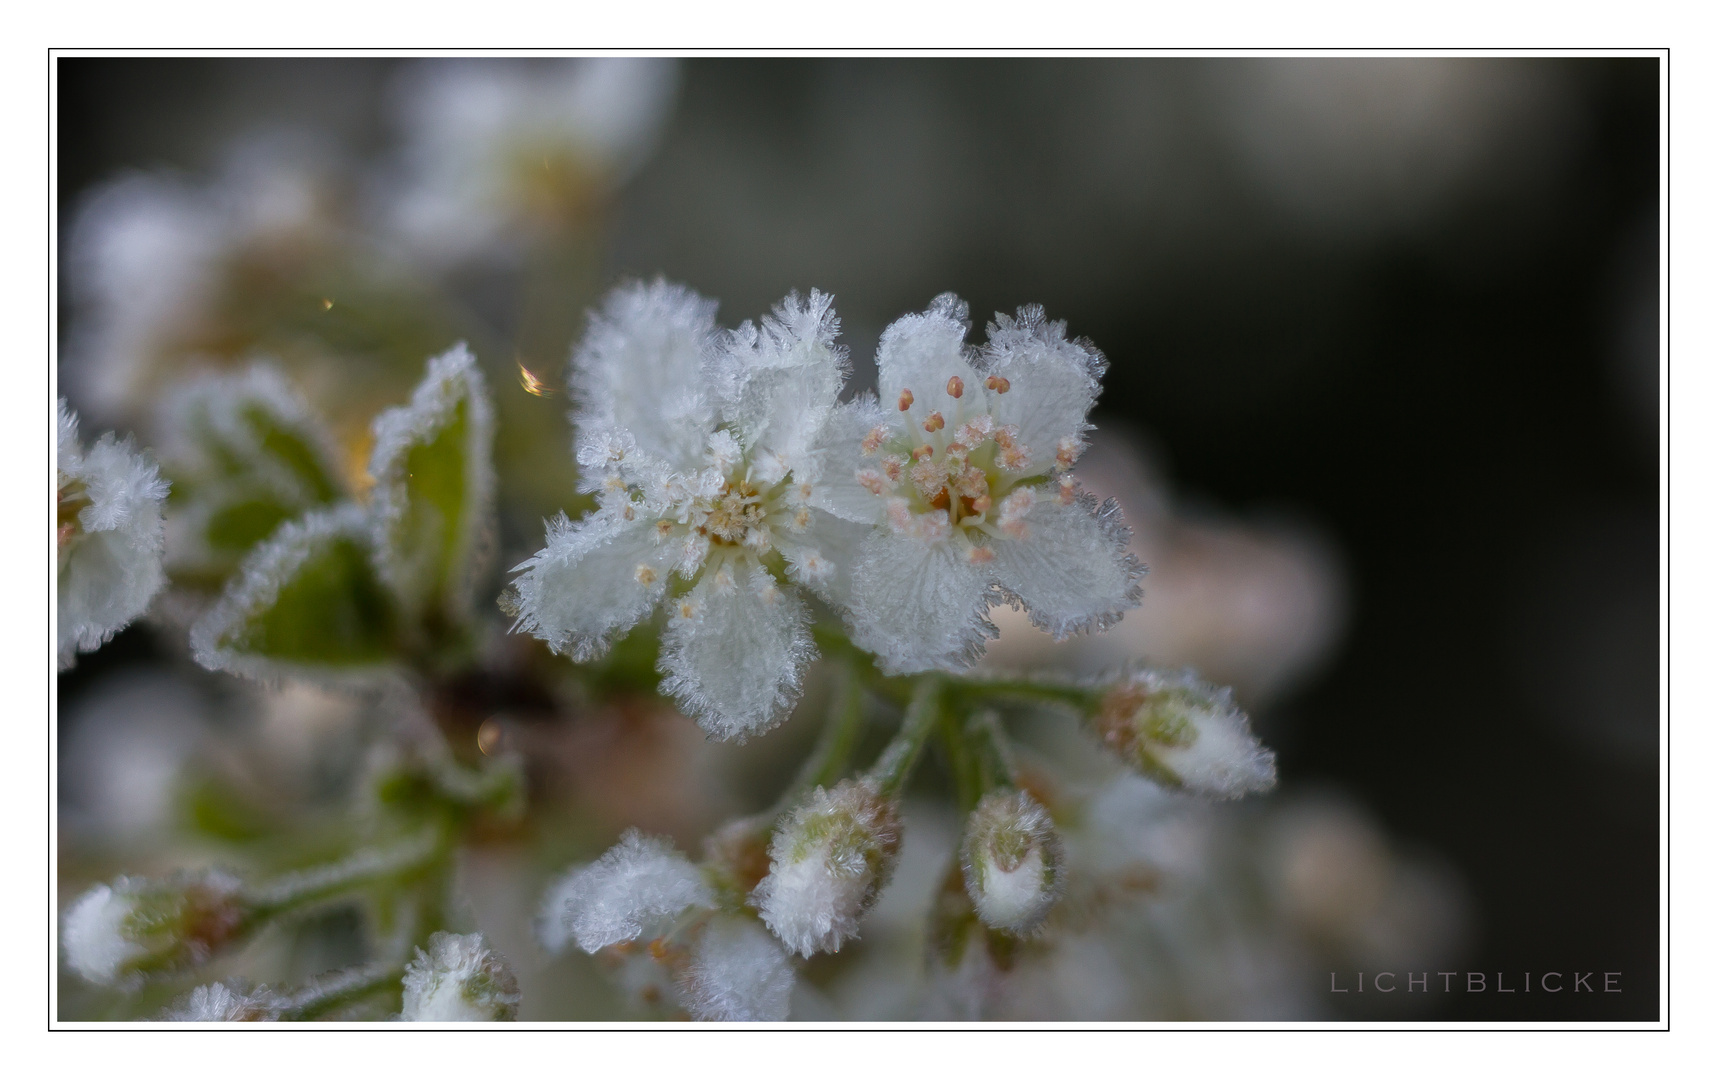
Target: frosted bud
{"x":640,"y":882}
{"x":1012,"y":860}
{"x":225,"y":1003}
{"x":114,"y":934}
{"x":1184,"y":733}
{"x":459,"y":979}
{"x":828,"y":862}
{"x":737,"y":971}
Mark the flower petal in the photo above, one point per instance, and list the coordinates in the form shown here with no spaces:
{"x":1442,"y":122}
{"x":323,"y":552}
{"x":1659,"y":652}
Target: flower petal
{"x":921,"y":354}
{"x":919,"y":605}
{"x":837,"y":458}
{"x":1053,"y":382}
{"x":735,"y":651}
{"x":780,"y":381}
{"x":1071,"y":570}
{"x":592,"y":582}
{"x":823,"y":557}
{"x":640,"y":368}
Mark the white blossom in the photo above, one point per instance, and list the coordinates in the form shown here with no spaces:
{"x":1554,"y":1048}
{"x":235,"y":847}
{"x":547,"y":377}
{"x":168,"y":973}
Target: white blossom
{"x":494,"y":146}
{"x":1175,"y":728}
{"x":459,"y":979}
{"x":829,"y":860}
{"x":737,"y":971}
{"x":706,"y":450}
{"x":965,"y":463}
{"x":1012,"y":859}
{"x":113,"y":933}
{"x":635,"y":886}
{"x":109,"y":537}
{"x":225,"y":1003}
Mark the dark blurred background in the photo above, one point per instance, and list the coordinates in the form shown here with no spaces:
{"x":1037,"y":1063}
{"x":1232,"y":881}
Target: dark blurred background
{"x":1411,"y":302}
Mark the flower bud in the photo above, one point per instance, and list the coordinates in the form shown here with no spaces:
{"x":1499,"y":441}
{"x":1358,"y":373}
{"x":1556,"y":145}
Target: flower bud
{"x":636,"y":885}
{"x":459,"y":979}
{"x":114,"y":934}
{"x":828,"y":862}
{"x":1013,"y":862}
{"x":225,"y":1003}
{"x":737,"y":971}
{"x":1183,"y":733}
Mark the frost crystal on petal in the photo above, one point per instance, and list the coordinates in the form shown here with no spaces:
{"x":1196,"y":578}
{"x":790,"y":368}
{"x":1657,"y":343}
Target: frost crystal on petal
{"x":109,"y":537}
{"x":226,"y":1003}
{"x":636,"y":884}
{"x":459,"y":979}
{"x":1072,"y":572}
{"x":737,"y":972}
{"x":1059,"y":377}
{"x":591,"y":583}
{"x":828,"y":862}
{"x":735,"y":651}
{"x":1176,"y":729}
{"x":919,"y":605}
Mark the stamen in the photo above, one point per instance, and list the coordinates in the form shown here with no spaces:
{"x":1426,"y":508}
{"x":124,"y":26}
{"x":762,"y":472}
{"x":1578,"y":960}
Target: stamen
{"x":997,"y":383}
{"x":1067,"y":450}
{"x":955,"y":387}
{"x":1065,"y":490}
{"x":871,"y":480}
{"x":645,"y":574}
{"x":906,"y":400}
{"x":923,"y":452}
{"x":935,"y":422}
{"x":872,"y":441}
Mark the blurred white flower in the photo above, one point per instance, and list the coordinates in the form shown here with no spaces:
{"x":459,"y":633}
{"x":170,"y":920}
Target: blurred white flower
{"x":965,"y":465}
{"x":635,"y":888}
{"x":704,"y":451}
{"x":109,"y":537}
{"x":498,"y":148}
{"x":459,"y":979}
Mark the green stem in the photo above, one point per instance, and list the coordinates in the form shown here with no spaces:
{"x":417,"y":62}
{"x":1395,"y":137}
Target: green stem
{"x":841,"y":731}
{"x":993,"y":761}
{"x":962,"y":766}
{"x":360,"y":870}
{"x":924,"y":713}
{"x":1048,"y":690}
{"x":342,"y":989}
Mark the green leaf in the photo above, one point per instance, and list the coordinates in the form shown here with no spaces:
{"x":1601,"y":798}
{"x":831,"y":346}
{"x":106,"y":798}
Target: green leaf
{"x":308,"y":602}
{"x":433,"y":505}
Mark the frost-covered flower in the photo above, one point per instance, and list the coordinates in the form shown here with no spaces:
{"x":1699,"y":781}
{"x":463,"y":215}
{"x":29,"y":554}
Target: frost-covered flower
{"x":707,"y":451}
{"x":829,"y":860}
{"x":459,"y":979}
{"x":965,"y":462}
{"x":114,"y":933}
{"x":228,"y":1003}
{"x":1012,"y":859}
{"x":496,"y":147}
{"x":1176,"y":729}
{"x":109,"y":537}
{"x":718,"y":964}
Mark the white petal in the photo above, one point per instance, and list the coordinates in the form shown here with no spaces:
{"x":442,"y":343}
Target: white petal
{"x":919,"y":605}
{"x":592,"y":582}
{"x":823,"y":557}
{"x":640,"y":367}
{"x":780,"y":381}
{"x":635,"y":885}
{"x":737,"y":972}
{"x":735,"y":651}
{"x":921,"y":353}
{"x":1052,"y":381}
{"x":837,"y":459}
{"x":1072,"y":570}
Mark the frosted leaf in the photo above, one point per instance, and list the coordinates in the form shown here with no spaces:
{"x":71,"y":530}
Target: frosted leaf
{"x":109,"y":537}
{"x":735,"y":651}
{"x":737,"y":972}
{"x":591,"y":583}
{"x":1054,"y":381}
{"x":640,"y":882}
{"x":919,"y":605}
{"x":458,"y":979}
{"x":1072,"y":570}
{"x":829,"y":860}
{"x":223,"y":1003}
{"x":1012,"y":860}
{"x":1183,"y":732}
{"x":779,"y":381}
{"x":921,"y":353}
{"x":433,"y":505}
{"x":498,"y":148}
{"x":246,"y":454}
{"x":113,"y":934}
{"x":639,"y":368}
{"x":305,"y":603}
